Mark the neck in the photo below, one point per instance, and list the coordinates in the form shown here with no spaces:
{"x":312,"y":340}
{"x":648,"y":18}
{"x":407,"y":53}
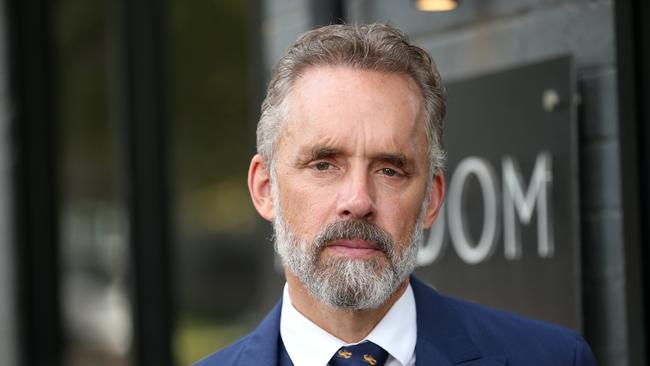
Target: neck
{"x":350,"y":326}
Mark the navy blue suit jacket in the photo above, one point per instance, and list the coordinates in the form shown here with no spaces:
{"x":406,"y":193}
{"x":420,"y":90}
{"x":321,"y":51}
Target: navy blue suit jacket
{"x":449,"y":332}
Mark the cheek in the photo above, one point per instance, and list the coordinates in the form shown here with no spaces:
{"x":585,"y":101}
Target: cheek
{"x":400,"y":215}
{"x":304,"y":210}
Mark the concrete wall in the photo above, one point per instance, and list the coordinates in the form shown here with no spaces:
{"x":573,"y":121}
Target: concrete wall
{"x":482,"y":36}
{"x":282,"y":22}
{"x":602,"y":225}
{"x":488,"y":35}
{"x":8,"y":336}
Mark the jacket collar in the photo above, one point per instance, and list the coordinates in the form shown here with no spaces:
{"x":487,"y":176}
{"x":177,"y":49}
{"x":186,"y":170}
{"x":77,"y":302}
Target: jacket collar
{"x":261,"y":347}
{"x":442,"y":338}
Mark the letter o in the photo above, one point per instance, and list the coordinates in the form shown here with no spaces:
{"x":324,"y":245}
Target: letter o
{"x":469,"y":252}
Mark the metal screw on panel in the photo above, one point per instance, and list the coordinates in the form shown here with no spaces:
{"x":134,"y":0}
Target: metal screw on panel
{"x":550,"y":100}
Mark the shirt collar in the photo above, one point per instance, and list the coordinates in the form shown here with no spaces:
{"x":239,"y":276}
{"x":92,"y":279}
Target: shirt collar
{"x":305,"y":342}
{"x":308,"y":344}
{"x":397,"y":330}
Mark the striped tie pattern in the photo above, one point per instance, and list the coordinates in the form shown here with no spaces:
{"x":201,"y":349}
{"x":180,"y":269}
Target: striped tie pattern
{"x":362,"y":354}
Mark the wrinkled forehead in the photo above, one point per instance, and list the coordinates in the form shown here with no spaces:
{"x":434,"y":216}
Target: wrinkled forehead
{"x":338,"y":102}
{"x":330,"y":87}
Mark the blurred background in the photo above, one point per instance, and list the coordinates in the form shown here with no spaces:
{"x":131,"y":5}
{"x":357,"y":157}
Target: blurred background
{"x":127,"y":236}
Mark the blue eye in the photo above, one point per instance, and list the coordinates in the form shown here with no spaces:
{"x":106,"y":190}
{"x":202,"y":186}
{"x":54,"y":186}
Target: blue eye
{"x":389,"y":172}
{"x":322,"y":165}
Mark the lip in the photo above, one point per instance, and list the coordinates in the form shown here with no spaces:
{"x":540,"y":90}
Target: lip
{"x":354,"y":248}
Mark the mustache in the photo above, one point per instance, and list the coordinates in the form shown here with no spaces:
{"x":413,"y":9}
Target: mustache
{"x":355,"y":229}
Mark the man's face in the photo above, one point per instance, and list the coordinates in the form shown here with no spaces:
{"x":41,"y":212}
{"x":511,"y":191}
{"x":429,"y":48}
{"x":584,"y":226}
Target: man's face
{"x":352,"y":158}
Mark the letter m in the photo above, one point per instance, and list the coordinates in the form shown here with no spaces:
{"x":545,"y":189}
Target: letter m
{"x":537,"y":196}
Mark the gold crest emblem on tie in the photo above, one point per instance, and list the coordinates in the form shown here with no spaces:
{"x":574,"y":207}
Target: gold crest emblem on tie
{"x":345,"y":354}
{"x":370,"y":360}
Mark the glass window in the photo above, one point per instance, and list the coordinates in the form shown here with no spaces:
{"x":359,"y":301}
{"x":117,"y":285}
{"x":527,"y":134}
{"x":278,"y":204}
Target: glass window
{"x":95,"y":302}
{"x":223,"y":257}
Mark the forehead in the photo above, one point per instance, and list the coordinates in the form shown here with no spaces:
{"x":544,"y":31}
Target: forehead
{"x":383,"y":110}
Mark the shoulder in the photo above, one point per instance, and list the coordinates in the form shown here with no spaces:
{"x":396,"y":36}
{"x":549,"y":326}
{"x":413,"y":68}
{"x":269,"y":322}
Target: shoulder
{"x":226,"y":356}
{"x":518,"y":338}
{"x":261,"y":344}
{"x":479,"y":319}
{"x":522,"y":338}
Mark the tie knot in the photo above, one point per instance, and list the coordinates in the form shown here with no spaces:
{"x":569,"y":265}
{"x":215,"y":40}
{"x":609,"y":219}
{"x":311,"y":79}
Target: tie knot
{"x":362,"y":354}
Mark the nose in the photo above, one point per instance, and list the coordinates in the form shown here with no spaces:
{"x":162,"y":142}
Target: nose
{"x":356,"y":198}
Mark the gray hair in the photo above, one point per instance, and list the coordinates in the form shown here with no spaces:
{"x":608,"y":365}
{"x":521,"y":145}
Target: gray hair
{"x":375,"y":47}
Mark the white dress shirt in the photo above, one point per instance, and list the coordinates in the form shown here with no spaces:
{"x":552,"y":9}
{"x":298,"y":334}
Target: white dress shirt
{"x":309,"y":345}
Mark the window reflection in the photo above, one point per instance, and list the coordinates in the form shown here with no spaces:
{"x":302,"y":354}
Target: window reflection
{"x":223,"y":258}
{"x":96,"y":313}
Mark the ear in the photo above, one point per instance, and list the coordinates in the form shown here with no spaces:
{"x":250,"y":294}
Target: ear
{"x":259,"y":186}
{"x":437,"y":197}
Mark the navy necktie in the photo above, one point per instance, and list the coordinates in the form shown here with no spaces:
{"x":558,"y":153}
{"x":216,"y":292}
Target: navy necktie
{"x":362,"y":354}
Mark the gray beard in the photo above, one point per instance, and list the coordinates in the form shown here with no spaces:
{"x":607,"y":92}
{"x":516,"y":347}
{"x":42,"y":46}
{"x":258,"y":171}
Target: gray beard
{"x":344,"y":283}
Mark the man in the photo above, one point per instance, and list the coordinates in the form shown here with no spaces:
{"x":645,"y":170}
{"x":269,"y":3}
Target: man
{"x":349,"y":171}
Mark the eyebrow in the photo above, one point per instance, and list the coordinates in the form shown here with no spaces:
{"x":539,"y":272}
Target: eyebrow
{"x":397,"y":159}
{"x":321,"y":152}
{"x":317,"y":153}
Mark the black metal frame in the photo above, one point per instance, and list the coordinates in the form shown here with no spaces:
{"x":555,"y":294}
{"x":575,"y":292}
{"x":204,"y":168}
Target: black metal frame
{"x":633,"y":58}
{"x":144,"y":131}
{"x":35,"y":202}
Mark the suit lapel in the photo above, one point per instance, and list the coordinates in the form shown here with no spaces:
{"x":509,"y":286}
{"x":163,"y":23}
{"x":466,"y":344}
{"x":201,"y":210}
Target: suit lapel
{"x":442,"y":339}
{"x":261,"y":348}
